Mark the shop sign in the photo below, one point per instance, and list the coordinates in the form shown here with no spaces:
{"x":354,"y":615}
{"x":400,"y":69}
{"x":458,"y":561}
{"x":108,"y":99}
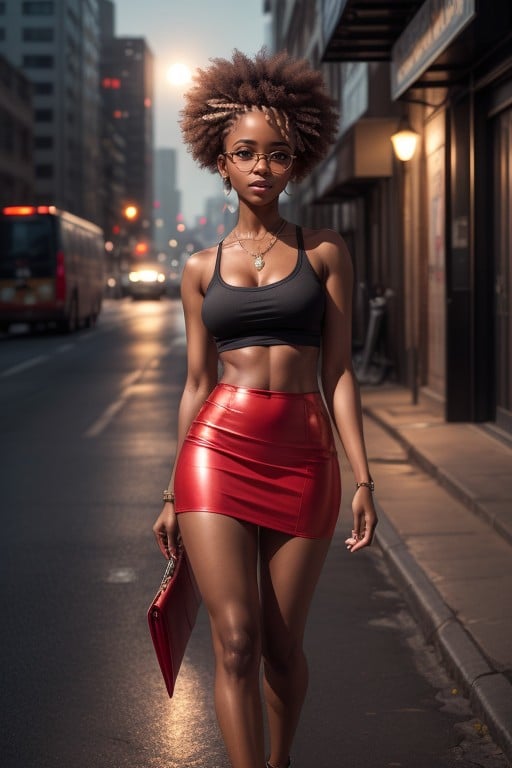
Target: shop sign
{"x":429,"y":33}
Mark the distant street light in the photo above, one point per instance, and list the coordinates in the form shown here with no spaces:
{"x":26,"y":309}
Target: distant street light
{"x":131,"y":212}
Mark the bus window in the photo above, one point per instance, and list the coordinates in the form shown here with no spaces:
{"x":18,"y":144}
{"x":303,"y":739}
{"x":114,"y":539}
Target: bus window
{"x":27,"y":247}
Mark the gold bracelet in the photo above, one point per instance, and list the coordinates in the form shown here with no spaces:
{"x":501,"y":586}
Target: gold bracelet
{"x":168,"y":495}
{"x":370,"y":484}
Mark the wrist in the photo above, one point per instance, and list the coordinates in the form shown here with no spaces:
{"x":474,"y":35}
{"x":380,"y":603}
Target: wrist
{"x":168,"y":496}
{"x":366,"y":484}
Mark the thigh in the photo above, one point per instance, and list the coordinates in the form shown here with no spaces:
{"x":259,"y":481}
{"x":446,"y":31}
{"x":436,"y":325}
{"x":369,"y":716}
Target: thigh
{"x":223,"y":553}
{"x":290,"y":568}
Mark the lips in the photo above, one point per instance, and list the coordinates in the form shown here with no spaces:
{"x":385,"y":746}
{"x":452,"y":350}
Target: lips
{"x":261,"y":184}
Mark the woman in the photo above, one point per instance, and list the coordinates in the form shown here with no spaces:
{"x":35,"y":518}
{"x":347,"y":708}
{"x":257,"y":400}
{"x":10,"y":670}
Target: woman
{"x":256,"y":486}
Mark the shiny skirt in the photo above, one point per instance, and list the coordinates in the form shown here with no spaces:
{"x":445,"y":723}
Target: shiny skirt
{"x":264,"y":457}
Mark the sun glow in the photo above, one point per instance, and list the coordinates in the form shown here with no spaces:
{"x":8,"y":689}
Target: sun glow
{"x":179,"y":73}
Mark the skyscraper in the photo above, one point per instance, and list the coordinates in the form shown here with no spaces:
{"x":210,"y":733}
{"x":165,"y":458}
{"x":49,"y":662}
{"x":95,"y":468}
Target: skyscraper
{"x":127,"y":93}
{"x":56,"y":44}
{"x":167,"y":198}
{"x":16,"y":120}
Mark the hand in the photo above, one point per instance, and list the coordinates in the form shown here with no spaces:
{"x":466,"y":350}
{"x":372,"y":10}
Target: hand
{"x":166,"y":531}
{"x":365,"y":520}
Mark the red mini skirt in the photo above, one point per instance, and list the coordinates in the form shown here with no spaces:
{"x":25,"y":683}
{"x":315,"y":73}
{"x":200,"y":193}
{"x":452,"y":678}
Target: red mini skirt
{"x":261,"y":456}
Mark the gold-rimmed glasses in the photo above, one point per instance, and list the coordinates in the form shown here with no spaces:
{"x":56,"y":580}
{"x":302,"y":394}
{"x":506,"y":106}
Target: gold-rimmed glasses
{"x":246,"y":160}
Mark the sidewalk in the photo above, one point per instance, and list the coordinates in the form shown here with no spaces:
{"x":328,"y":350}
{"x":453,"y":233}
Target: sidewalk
{"x":444,"y":498}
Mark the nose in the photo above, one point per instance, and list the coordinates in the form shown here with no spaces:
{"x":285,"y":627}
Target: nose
{"x":262,"y":156}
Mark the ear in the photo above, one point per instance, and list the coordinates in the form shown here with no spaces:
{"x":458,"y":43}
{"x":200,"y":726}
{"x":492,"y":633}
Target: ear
{"x":222,"y":166}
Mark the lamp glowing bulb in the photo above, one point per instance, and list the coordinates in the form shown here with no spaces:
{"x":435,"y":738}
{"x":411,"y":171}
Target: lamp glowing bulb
{"x":404,"y":142}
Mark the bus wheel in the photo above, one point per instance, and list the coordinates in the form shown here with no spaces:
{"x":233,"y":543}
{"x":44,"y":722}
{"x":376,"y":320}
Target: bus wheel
{"x":70,"y":323}
{"x":91,"y":319}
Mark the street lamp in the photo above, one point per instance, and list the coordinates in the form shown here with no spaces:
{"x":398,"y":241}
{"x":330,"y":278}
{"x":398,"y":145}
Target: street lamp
{"x":405,"y":141}
{"x":131,"y":212}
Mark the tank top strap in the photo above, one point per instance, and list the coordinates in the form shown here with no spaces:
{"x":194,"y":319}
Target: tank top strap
{"x":217,"y":259}
{"x":300,"y":239}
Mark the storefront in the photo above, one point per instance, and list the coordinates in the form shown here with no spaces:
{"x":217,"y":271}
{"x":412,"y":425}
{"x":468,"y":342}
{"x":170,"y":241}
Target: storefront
{"x":453,"y":63}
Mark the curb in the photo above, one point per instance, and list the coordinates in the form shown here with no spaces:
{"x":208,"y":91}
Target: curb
{"x":489,"y":691}
{"x":444,"y":478}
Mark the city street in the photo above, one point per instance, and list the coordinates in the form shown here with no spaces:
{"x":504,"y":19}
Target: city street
{"x":88,"y":433}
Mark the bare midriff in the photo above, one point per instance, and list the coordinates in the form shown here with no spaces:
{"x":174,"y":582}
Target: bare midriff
{"x":280,"y":368}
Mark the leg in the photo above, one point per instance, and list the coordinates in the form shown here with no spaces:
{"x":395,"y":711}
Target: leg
{"x":223,"y":553}
{"x":290,"y":568}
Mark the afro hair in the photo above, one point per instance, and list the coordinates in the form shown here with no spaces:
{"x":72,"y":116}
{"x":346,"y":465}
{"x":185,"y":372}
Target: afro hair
{"x":290,"y":93}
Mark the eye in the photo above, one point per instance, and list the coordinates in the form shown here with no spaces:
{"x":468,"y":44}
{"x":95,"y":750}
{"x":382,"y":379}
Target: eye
{"x":244,"y":154}
{"x":280,"y":157}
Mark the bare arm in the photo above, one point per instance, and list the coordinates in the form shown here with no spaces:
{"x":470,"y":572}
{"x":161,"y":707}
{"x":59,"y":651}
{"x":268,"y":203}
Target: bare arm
{"x":201,"y":379}
{"x":339,"y":383}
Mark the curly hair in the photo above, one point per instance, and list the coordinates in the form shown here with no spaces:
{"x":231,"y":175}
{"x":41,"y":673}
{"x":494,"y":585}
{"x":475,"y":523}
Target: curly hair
{"x":288,"y":91}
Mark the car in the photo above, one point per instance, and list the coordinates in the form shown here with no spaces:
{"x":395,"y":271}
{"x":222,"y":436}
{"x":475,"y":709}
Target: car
{"x":146,"y":281}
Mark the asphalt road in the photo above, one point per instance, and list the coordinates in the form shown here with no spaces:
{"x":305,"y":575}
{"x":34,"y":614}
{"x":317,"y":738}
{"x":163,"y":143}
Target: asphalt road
{"x":88,"y":425}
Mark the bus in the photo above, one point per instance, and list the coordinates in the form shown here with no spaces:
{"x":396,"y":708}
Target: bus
{"x":52,"y":268}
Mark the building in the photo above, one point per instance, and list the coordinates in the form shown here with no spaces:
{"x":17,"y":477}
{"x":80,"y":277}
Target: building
{"x":16,"y":129}
{"x":167,"y":198}
{"x":433,"y":232}
{"x":112,"y":146}
{"x":56,"y":44}
{"x":127,"y":95}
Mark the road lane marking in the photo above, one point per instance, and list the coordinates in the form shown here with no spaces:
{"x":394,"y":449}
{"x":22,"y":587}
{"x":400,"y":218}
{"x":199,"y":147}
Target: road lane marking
{"x":128,"y":389}
{"x":106,"y":417}
{"x":24,"y":366}
{"x":113,"y":409}
{"x":121,"y":576}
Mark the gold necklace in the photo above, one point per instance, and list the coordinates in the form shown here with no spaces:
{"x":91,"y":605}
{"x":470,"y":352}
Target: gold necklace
{"x":259,"y":261}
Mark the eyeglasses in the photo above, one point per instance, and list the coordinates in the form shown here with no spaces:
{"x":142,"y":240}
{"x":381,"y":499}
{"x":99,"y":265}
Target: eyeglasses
{"x":245,"y":159}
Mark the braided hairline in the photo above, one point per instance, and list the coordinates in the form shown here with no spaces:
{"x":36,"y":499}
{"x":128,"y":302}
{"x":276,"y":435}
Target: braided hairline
{"x":304,"y":122}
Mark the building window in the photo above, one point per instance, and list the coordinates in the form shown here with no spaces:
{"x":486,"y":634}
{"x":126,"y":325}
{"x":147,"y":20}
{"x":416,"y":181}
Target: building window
{"x":2,"y":33}
{"x":2,"y":8}
{"x":38,"y":8}
{"x":38,"y":34}
{"x":43,"y":142}
{"x":38,"y":62}
{"x":43,"y":115}
{"x":44,"y":171}
{"x":43,"y":89}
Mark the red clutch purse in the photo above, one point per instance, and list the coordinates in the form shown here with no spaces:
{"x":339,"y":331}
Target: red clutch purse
{"x":172,"y":615}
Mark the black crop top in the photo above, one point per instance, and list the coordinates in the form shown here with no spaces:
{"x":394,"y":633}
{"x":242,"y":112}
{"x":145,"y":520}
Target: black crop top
{"x":288,"y":311}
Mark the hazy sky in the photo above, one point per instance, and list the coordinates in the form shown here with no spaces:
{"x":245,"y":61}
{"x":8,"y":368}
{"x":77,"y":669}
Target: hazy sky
{"x":192,"y":31}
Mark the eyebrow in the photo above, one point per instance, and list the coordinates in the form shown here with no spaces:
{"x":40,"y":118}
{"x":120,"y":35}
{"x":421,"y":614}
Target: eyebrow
{"x":282,"y":143}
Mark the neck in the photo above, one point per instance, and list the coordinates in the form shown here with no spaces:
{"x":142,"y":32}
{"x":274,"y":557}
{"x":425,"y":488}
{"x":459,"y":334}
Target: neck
{"x":258,"y":221}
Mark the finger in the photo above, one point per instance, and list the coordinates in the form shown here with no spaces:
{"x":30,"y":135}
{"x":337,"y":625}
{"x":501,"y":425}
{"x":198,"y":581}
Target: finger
{"x":363,"y":540}
{"x":162,"y":542}
{"x":357,"y":540}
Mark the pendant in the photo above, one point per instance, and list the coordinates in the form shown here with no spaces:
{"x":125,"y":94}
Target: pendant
{"x":259,"y":262}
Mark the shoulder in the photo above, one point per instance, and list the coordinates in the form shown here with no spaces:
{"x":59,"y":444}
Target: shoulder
{"x":198,"y":269}
{"x":329,"y":249}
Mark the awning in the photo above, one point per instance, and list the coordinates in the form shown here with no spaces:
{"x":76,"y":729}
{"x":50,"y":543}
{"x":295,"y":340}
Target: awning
{"x":364,"y":30}
{"x":362,"y":156}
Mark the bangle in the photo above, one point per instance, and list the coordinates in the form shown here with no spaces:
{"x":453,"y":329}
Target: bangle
{"x":370,"y":484}
{"x":168,"y":496}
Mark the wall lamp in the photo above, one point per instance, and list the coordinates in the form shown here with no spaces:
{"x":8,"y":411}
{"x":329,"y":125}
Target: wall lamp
{"x":405,"y":140}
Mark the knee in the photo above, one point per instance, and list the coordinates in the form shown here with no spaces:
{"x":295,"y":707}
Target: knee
{"x":239,"y":651}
